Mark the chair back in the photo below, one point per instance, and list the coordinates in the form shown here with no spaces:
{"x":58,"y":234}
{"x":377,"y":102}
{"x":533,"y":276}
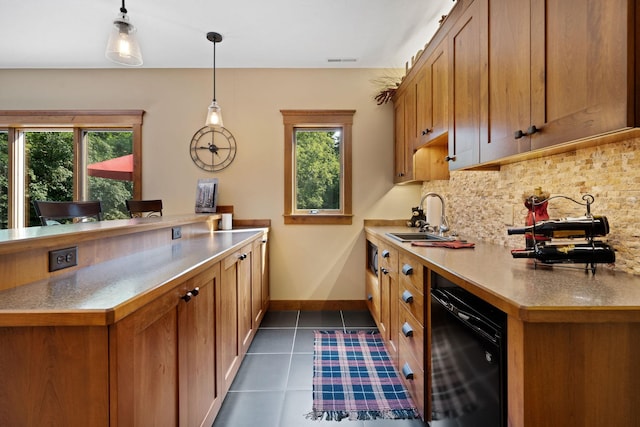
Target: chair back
{"x":53,"y":213}
{"x":144,"y":208}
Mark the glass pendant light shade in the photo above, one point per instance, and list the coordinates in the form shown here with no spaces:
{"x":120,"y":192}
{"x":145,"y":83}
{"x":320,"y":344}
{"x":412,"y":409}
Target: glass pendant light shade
{"x":214,"y":115}
{"x":123,"y":47}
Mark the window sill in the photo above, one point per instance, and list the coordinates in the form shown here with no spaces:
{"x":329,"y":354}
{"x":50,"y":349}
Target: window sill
{"x":318,"y":219}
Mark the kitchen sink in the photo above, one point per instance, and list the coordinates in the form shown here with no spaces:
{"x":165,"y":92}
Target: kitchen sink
{"x":417,"y":236}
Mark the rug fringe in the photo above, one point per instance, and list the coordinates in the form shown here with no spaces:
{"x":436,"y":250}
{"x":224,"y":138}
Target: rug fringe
{"x":391,"y":414}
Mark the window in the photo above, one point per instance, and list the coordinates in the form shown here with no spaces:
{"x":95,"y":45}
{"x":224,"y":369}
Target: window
{"x":317,"y":172}
{"x":68,"y":155}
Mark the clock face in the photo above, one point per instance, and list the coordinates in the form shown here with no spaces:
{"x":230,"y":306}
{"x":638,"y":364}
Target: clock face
{"x":213,"y":149}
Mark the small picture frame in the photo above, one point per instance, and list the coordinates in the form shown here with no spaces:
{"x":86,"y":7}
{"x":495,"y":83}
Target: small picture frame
{"x":207,"y":195}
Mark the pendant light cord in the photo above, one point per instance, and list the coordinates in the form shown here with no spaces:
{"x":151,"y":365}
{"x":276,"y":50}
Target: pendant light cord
{"x":214,"y":69}
{"x":123,"y":9}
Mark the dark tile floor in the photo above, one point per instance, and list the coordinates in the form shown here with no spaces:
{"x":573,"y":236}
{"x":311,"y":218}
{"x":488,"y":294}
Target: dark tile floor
{"x":273,"y":387}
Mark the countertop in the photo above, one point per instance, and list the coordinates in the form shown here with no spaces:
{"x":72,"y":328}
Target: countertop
{"x":103,"y":293}
{"x":533,"y":293}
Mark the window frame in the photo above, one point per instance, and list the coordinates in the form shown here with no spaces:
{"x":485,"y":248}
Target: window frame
{"x":317,"y":119}
{"x":78,"y":121}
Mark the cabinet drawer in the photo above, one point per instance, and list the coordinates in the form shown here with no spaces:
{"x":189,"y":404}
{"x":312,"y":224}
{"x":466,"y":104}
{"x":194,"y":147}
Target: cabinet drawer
{"x":388,"y":259}
{"x":411,"y":271}
{"x":412,"y":301}
{"x":414,"y":342}
{"x":415,"y":385}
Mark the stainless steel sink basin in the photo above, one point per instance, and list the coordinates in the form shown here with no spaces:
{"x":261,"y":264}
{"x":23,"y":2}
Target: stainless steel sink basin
{"x":417,"y":236}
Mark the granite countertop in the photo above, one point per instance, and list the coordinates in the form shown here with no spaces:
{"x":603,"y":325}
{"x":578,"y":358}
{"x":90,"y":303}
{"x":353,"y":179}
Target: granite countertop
{"x":528,"y":291}
{"x":103,"y":293}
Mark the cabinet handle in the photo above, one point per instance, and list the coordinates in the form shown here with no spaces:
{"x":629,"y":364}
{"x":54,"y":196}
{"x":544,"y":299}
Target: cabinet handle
{"x":407,"y":270}
{"x":407,"y":297}
{"x":385,"y":254}
{"x":407,"y":371}
{"x":426,"y":131}
{"x":401,"y":174}
{"x":407,"y":330}
{"x":450,"y":158}
{"x":264,"y":240}
{"x":519,"y":133}
{"x":242,"y":257}
{"x":190,"y":294}
{"x":384,"y":270}
{"x":370,"y":297}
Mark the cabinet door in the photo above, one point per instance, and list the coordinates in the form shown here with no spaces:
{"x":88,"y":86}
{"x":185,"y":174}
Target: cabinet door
{"x":259,"y":281}
{"x":432,"y":95}
{"x":399,"y":152}
{"x":235,"y":312}
{"x":388,"y":298}
{"x":404,"y":128}
{"x":200,"y":391}
{"x":468,"y":85}
{"x":509,"y":79}
{"x":264,"y":272}
{"x":144,"y":361}
{"x":245,"y":326}
{"x":582,"y":79}
{"x":54,"y":376}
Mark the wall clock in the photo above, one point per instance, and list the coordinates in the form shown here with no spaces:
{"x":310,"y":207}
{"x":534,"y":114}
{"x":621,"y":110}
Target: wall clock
{"x":213,"y":149}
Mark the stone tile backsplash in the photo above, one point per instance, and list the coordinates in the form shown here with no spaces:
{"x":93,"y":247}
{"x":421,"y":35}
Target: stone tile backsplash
{"x":480,"y":203}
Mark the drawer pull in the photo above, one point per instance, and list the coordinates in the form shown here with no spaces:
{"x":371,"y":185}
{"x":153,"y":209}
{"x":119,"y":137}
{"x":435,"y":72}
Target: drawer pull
{"x":407,"y":371}
{"x":384,"y":270}
{"x":385,"y":254}
{"x":242,"y":257}
{"x":407,"y":270}
{"x":370,"y":297}
{"x":407,"y":330}
{"x":407,"y":297}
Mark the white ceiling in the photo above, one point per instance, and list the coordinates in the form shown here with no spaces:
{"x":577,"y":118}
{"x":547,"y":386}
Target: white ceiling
{"x":256,"y":33}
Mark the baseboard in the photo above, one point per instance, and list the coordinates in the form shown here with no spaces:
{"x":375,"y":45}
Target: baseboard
{"x":311,"y":305}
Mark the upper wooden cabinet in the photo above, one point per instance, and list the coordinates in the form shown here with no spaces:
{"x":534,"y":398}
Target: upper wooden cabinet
{"x":414,"y":161}
{"x":558,"y":72}
{"x":521,"y":76}
{"x":432,"y":95}
{"x":467,"y":85}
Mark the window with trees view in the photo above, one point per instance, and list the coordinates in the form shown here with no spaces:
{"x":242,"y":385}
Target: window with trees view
{"x":318,"y":166}
{"x":63,"y":156}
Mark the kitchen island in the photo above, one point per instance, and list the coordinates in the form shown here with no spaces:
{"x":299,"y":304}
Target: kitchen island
{"x":145,"y":330}
{"x":572,"y":336}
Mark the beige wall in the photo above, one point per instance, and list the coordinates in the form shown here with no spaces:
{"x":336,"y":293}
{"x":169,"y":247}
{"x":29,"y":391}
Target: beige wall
{"x":307,"y":262}
{"x":478,"y":203}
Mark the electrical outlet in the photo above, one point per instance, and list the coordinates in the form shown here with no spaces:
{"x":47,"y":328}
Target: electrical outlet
{"x":176,"y":233}
{"x":63,"y":258}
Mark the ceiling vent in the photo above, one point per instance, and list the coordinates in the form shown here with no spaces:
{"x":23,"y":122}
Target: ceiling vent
{"x":342,"y":60}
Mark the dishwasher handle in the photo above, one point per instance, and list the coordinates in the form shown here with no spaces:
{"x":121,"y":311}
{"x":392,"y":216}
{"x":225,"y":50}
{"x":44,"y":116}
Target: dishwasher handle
{"x":472,"y":321}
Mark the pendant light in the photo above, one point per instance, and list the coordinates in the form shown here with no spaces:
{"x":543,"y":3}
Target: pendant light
{"x":214,"y":113}
{"x":123,"y":47}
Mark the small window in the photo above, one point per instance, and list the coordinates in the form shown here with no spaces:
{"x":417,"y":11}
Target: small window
{"x":317,"y":166}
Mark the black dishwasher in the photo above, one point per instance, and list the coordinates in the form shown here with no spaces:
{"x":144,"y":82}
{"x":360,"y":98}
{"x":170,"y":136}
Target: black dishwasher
{"x":468,"y":359}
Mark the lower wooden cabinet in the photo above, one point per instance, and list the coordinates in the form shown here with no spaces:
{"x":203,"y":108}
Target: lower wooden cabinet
{"x":164,"y":356}
{"x":168,"y":363}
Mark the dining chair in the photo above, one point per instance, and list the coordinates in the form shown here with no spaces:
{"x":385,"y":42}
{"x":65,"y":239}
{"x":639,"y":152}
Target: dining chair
{"x":144,"y":208}
{"x":54,"y":213}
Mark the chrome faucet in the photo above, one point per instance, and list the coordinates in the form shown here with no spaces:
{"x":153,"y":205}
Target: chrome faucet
{"x":444,"y":224}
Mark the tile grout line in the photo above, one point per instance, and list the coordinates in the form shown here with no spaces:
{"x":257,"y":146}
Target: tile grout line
{"x":286,"y":384}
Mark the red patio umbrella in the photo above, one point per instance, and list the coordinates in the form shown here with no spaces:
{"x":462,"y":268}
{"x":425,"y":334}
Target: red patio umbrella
{"x":120,"y":168}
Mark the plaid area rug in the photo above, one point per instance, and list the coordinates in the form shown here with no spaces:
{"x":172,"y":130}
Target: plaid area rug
{"x":354,"y":378}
